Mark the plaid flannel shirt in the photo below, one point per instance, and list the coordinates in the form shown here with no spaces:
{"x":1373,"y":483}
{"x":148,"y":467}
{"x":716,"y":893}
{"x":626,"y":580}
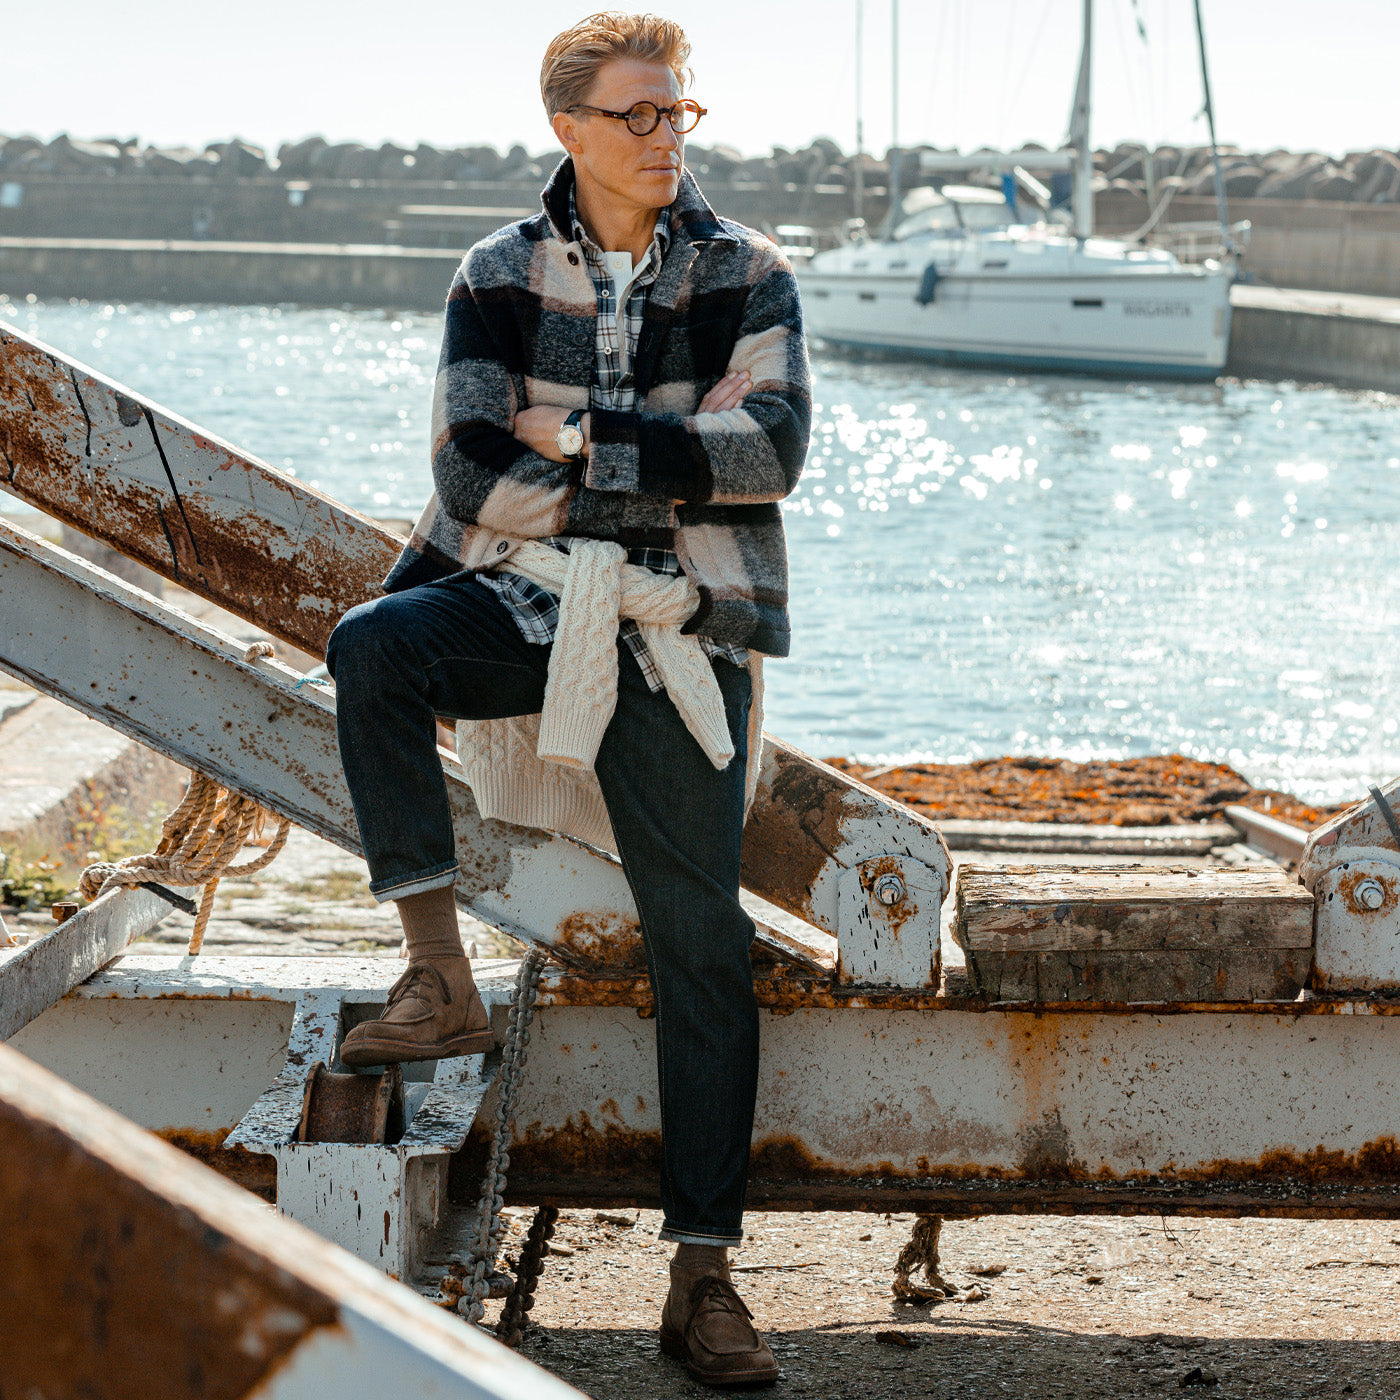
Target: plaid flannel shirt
{"x":535,"y":609}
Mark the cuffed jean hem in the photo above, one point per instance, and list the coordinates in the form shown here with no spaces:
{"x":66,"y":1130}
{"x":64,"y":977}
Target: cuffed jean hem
{"x":669,"y":1232}
{"x":385,"y":890}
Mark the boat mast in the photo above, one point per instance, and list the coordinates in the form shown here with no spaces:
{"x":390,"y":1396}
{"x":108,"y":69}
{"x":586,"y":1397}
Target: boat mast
{"x":860,"y":111}
{"x":1082,"y":199}
{"x":1222,"y":212}
{"x":894,"y":112}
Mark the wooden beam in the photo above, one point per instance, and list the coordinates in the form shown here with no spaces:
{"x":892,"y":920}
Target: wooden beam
{"x":1134,"y":933}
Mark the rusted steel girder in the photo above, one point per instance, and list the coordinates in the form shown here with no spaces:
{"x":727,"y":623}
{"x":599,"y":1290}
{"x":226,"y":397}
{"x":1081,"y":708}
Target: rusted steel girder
{"x":292,"y":560}
{"x":955,"y":1107}
{"x":137,"y":1271}
{"x":1351,"y":865}
{"x":185,"y":690}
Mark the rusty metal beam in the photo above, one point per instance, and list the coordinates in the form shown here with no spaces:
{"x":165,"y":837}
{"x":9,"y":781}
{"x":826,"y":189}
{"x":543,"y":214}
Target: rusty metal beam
{"x":958,"y":1107}
{"x":128,"y":1262}
{"x":185,"y":690}
{"x":35,"y":975}
{"x":291,"y":560}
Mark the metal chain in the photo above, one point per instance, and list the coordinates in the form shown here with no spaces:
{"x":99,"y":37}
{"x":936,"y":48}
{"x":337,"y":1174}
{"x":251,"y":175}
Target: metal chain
{"x":515,"y":1316}
{"x":486,"y":1240}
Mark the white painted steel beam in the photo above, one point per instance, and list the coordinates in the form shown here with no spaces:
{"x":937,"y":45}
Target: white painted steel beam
{"x":1352,"y":866}
{"x":185,"y":690}
{"x":1280,"y":839}
{"x":1283,"y":1109}
{"x":200,"y":1290}
{"x":35,"y":975}
{"x":378,"y":1200}
{"x":291,"y":560}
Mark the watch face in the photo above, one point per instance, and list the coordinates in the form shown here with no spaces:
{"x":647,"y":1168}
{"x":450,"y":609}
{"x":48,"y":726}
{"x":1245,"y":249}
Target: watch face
{"x":570,"y":440}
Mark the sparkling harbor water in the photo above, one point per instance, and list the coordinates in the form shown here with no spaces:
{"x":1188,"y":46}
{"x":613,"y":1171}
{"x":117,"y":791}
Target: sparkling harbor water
{"x":981,"y":563}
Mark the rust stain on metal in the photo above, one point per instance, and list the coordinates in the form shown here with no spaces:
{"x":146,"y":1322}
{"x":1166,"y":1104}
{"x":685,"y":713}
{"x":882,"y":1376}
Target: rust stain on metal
{"x":582,"y":1162}
{"x":253,"y":1171}
{"x":796,"y":831}
{"x":1377,"y":1161}
{"x":131,"y":1289}
{"x":604,"y":939}
{"x":583,"y":1165}
{"x":296,"y":584}
{"x":787,"y":990}
{"x":896,"y":915}
{"x":31,"y":413}
{"x":1349,"y":884}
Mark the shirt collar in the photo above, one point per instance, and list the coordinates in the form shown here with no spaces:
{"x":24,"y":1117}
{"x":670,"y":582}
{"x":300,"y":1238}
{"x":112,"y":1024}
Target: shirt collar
{"x":660,"y":235}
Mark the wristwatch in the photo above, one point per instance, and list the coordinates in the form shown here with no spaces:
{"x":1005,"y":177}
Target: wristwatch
{"x":569,"y":438}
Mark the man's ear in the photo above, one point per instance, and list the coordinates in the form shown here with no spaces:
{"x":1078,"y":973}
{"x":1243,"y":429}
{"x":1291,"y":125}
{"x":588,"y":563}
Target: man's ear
{"x":566,"y":129}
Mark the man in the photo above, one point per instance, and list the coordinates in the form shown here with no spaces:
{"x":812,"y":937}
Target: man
{"x":623,"y":369}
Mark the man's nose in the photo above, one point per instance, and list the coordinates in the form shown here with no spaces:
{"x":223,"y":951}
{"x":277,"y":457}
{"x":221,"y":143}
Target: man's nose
{"x":664,"y":138}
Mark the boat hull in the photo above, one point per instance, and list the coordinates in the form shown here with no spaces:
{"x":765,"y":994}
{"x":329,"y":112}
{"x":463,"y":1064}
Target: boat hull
{"x":1170,"y":326}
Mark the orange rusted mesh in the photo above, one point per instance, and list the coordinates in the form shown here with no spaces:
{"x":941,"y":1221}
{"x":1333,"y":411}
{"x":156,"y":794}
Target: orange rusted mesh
{"x":1163,"y":790}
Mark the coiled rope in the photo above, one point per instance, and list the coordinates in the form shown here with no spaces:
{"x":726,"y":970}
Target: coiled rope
{"x":198,"y":843}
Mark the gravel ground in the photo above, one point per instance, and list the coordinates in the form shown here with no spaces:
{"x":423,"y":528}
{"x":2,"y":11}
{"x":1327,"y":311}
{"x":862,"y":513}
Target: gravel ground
{"x":1073,"y":1308}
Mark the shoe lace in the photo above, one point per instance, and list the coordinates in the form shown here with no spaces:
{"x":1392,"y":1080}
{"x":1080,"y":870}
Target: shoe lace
{"x":717,"y":1292}
{"x":410,"y":981}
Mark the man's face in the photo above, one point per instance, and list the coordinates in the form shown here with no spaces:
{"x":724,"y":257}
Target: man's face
{"x":641,"y":172}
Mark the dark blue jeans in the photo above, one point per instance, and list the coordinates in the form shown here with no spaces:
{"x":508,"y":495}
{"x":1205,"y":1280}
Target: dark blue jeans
{"x":450,"y":648}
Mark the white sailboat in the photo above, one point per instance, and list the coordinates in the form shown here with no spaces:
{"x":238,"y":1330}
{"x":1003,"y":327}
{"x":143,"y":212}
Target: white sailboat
{"x":963,"y":278}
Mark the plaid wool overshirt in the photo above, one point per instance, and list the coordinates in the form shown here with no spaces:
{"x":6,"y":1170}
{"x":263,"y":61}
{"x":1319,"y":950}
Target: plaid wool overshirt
{"x":535,"y":609}
{"x":521,"y":327}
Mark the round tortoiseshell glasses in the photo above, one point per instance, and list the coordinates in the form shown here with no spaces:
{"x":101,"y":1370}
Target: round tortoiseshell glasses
{"x":643,"y":118}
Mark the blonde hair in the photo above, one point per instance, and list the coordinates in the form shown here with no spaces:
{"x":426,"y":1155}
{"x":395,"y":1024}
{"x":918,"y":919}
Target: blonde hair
{"x":573,"y":58}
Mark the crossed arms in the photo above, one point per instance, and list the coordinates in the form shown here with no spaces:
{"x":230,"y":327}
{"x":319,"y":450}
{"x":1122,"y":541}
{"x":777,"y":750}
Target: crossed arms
{"x":495,"y":462}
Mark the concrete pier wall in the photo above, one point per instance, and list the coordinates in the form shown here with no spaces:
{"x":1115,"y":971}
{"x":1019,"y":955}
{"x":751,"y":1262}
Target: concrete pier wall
{"x":1324,"y":245}
{"x":1277,"y":333}
{"x":1285,"y":334}
{"x":234,"y":273}
{"x":1327,"y":244}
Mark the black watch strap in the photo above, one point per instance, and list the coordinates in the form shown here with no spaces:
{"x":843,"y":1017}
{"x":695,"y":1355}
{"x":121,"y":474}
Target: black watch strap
{"x":573,"y":421}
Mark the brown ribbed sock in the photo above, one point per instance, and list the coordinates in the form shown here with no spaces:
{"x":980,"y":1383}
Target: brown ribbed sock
{"x":695,"y":1260}
{"x":430,"y":925}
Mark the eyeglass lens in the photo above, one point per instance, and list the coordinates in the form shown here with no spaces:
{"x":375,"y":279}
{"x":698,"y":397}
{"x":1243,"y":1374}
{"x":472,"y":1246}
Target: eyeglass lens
{"x":644,"y":117}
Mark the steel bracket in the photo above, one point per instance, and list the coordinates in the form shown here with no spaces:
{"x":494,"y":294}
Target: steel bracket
{"x":379,"y":1201}
{"x":1352,"y":867}
{"x":888,"y":914}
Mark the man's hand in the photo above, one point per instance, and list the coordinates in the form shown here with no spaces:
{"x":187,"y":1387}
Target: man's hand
{"x":728,"y":393}
{"x":538,"y":427}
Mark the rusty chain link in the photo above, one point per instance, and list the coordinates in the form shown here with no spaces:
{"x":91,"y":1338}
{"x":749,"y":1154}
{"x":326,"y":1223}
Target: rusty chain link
{"x":486,"y":1240}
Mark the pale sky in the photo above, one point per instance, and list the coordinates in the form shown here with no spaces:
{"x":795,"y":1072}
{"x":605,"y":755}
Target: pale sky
{"x":1292,"y":73}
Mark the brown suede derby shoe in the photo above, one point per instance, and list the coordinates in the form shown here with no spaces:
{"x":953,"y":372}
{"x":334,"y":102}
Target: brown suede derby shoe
{"x":434,"y":1013}
{"x":705,"y":1324}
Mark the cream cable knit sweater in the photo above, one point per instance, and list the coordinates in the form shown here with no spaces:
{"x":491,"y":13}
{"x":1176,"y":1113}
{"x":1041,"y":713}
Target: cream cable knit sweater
{"x":537,"y":770}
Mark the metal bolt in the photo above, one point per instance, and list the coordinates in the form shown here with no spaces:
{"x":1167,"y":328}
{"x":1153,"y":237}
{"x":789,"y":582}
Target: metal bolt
{"x":889,"y":889}
{"x":1370,"y":894}
{"x":62,"y":911}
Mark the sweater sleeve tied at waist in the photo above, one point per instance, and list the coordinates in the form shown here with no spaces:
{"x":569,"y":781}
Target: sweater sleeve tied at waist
{"x":596,"y":588}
